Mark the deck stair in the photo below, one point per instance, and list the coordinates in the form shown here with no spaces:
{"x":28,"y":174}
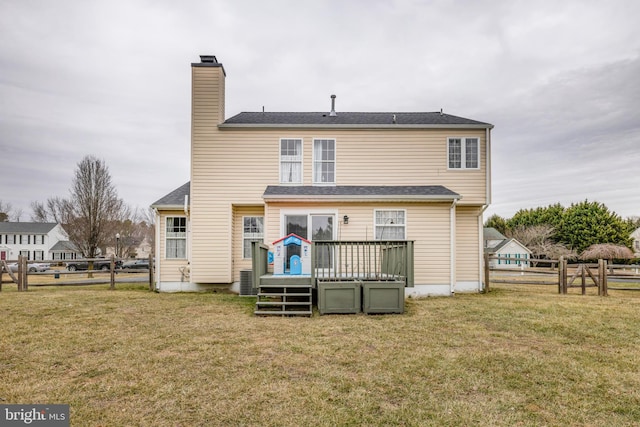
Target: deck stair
{"x":279,"y":296}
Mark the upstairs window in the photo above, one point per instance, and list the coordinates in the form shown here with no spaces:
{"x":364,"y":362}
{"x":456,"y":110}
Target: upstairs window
{"x":252,"y":231}
{"x":390,"y":224}
{"x":176,"y":237}
{"x":463,"y":153}
{"x":291,"y":161}
{"x":324,"y":161}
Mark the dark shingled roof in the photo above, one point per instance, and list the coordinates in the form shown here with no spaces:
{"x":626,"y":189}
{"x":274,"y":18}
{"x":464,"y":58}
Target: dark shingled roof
{"x":353,"y":119}
{"x":361,"y":191}
{"x":27,"y":227}
{"x":175,"y":198}
{"x":64,"y":246}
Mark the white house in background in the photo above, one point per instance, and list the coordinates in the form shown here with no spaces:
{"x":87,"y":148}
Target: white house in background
{"x":495,"y":243}
{"x":36,"y":240}
{"x":636,"y":242}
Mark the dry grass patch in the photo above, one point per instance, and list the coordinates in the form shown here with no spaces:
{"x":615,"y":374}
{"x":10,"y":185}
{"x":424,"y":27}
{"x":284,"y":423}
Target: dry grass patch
{"x":513,"y":357}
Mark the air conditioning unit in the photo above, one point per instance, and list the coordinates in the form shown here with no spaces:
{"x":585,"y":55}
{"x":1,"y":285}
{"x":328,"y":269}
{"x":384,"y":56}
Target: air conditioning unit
{"x":246,"y":283}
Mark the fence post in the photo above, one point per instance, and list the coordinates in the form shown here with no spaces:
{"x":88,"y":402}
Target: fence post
{"x":605,"y":284}
{"x":151,"y":267}
{"x":486,"y":273}
{"x":565,"y":274}
{"x":25,"y":271}
{"x":20,"y":273}
{"x":560,"y":274}
{"x":112,"y":268}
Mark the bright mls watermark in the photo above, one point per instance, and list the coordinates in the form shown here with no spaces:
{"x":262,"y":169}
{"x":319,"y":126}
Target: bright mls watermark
{"x":34,"y":415}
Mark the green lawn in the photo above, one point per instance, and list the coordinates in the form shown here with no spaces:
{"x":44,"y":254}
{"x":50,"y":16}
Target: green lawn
{"x":517,"y":356}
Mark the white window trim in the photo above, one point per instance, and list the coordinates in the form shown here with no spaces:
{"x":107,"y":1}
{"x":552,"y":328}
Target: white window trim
{"x":335,"y":161}
{"x":308,"y":213}
{"x":405,"y":225}
{"x":301,"y":161}
{"x":248,"y":238}
{"x":186,"y":235}
{"x":463,"y":153}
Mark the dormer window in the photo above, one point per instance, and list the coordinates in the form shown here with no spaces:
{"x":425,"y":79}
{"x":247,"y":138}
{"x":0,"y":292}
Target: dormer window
{"x":324,"y":161}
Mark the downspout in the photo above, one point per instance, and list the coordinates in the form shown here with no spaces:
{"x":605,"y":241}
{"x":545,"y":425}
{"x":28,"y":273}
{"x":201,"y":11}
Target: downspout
{"x":452,"y":255}
{"x":157,"y":254}
{"x":487,"y":203}
{"x":186,"y":212}
{"x":481,"y":251}
{"x":488,"y":166}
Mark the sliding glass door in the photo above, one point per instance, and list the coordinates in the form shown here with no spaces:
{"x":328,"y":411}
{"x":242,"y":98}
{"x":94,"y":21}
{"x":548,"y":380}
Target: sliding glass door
{"x":321,"y":229}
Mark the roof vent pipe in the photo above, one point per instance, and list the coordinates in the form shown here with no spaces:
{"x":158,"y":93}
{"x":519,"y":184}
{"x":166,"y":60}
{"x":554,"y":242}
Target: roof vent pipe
{"x":333,"y":106}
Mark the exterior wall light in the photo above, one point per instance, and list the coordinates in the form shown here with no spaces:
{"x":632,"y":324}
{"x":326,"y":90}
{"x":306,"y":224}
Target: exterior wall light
{"x":345,"y":219}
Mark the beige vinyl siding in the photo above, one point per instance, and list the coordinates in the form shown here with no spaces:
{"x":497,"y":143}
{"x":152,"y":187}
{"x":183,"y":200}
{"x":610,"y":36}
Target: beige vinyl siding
{"x":363,"y":157}
{"x":428,"y":224}
{"x":211,"y":260}
{"x":170,"y":268}
{"x":467,"y":244}
{"x":239,"y":263}
{"x":232,"y":167}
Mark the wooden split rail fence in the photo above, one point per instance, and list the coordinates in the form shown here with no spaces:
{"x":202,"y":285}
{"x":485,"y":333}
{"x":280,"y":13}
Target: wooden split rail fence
{"x":561,"y":274}
{"x":21,"y":276}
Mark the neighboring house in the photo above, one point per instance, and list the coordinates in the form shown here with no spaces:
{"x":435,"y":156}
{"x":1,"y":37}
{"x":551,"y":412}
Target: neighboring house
{"x":423,"y":177}
{"x":35,"y":240}
{"x":140,"y":250}
{"x":635,"y":236}
{"x":495,"y":243}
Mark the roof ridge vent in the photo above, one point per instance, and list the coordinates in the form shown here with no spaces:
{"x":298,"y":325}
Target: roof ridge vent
{"x":333,"y":106}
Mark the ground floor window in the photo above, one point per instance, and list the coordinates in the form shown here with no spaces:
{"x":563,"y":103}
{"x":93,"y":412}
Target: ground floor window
{"x":390,"y":224}
{"x":25,"y":254}
{"x":252,"y":231}
{"x":38,"y":255}
{"x":176,"y":237}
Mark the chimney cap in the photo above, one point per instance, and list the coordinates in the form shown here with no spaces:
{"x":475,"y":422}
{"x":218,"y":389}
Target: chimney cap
{"x":208,"y":59}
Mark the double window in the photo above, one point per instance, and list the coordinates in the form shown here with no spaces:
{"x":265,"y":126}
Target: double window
{"x":252,"y":231}
{"x":291,"y":161}
{"x":463,"y":153}
{"x":390,"y":224}
{"x":176,"y":237}
{"x":324,"y":161}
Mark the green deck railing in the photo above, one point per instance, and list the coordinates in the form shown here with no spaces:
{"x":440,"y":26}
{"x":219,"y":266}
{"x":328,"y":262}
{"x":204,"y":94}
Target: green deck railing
{"x":363,"y":260}
{"x":334,"y":260}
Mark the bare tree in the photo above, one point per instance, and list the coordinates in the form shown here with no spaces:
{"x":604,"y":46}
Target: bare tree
{"x":92,"y":211}
{"x":94,"y":204}
{"x":56,"y":209}
{"x":8,"y":213}
{"x":5,"y":211}
{"x":539,"y":240}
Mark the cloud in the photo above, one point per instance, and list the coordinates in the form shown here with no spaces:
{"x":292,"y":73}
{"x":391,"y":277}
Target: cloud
{"x":112,"y":79}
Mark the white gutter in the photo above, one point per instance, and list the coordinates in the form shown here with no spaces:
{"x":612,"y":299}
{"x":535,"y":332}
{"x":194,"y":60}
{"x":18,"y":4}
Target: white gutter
{"x":452,"y":237}
{"x":223,"y":126}
{"x":355,"y":198}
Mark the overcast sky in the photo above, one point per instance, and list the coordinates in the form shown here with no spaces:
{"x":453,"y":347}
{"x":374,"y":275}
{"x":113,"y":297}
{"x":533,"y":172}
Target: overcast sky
{"x":560,"y":80}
